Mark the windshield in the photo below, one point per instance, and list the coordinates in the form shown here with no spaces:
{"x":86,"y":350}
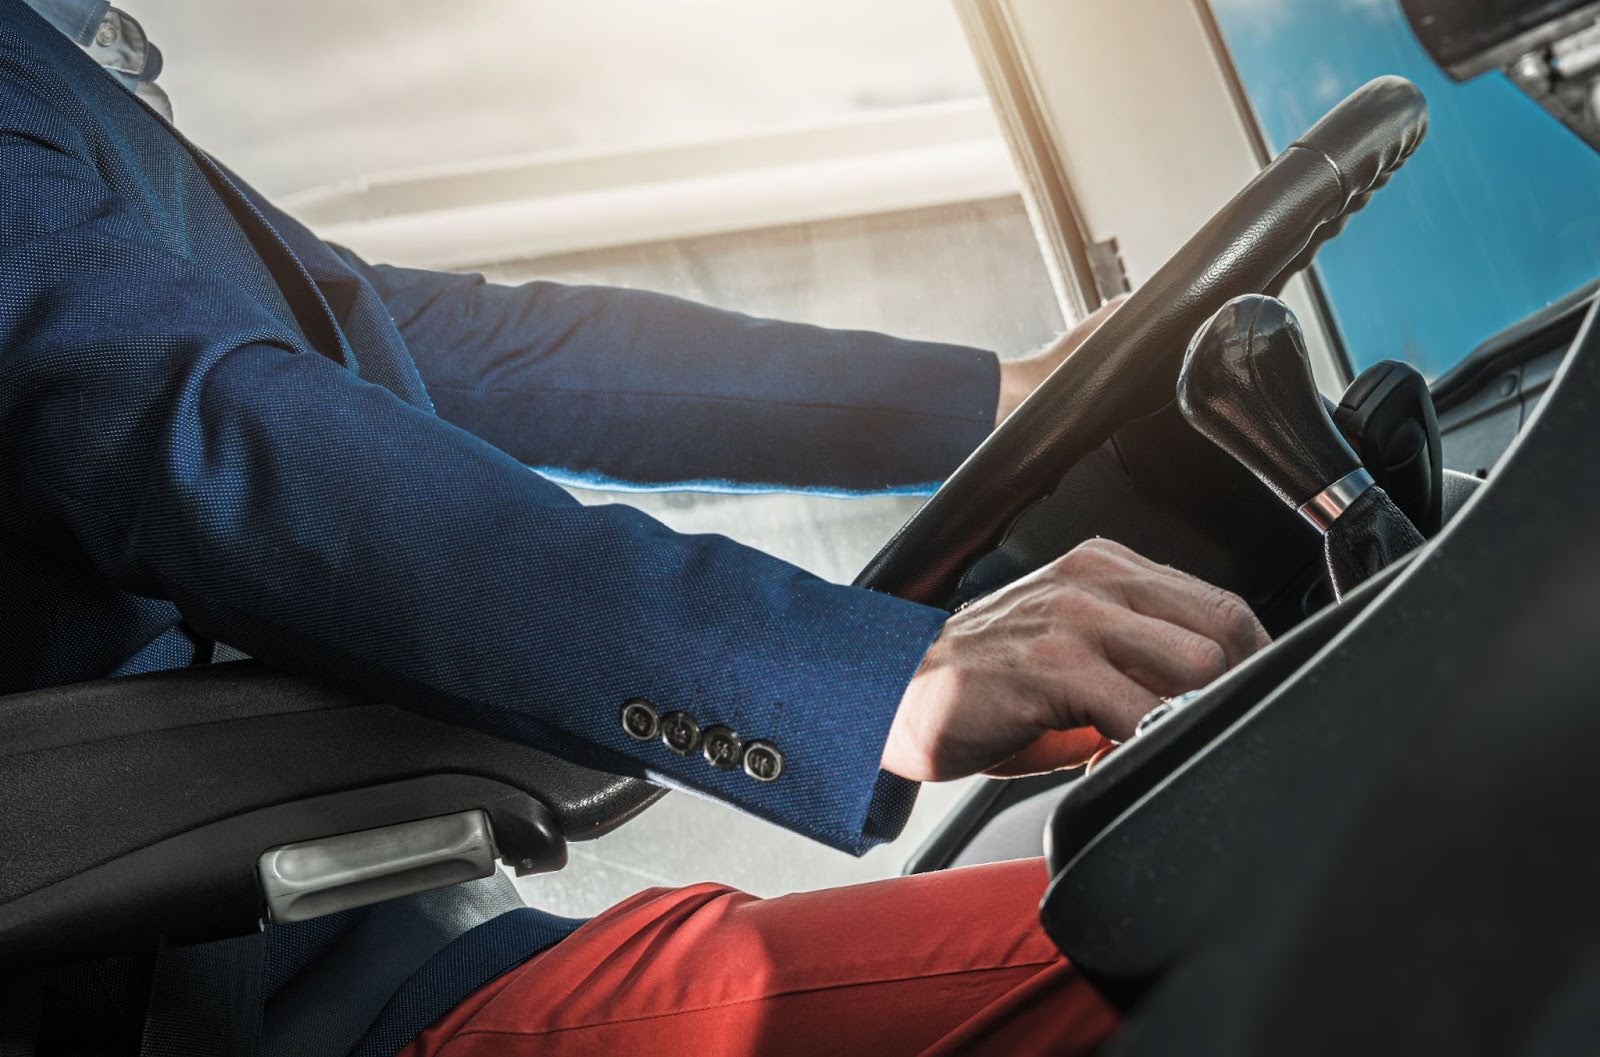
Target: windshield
{"x":1496,"y":216}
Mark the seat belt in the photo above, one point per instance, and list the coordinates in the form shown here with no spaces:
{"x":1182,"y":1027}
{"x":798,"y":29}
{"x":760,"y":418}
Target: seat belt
{"x":325,"y":992}
{"x":20,"y":1006}
{"x":367,"y":980}
{"x":206,"y":1000}
{"x":459,"y":970}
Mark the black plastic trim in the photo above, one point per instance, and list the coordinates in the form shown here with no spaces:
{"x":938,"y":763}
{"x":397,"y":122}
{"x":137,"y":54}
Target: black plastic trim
{"x":984,"y":802}
{"x":1554,"y":326}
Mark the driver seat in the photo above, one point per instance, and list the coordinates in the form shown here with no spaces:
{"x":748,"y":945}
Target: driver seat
{"x":160,"y":833}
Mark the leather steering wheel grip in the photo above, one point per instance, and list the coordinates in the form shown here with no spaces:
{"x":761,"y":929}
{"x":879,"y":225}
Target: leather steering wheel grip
{"x":1246,"y":386}
{"x":1129,"y":366}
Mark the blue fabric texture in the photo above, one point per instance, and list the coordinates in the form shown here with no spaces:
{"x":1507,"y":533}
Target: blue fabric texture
{"x":210,"y":415}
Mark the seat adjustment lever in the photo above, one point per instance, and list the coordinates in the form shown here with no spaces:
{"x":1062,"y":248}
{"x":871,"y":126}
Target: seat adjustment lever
{"x":311,"y":878}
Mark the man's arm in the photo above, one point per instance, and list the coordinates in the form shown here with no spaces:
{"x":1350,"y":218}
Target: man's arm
{"x":193,"y":448}
{"x":609,"y":385}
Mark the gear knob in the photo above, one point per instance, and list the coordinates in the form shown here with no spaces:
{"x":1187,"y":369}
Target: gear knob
{"x":1246,"y":386}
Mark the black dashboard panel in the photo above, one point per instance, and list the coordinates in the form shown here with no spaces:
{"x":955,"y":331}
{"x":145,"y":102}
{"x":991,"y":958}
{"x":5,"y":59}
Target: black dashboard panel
{"x":1466,"y":37}
{"x":1486,"y":399}
{"x":1478,"y":430}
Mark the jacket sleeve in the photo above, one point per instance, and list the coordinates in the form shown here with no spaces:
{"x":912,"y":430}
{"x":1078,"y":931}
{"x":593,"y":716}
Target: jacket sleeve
{"x":191,"y":447}
{"x":610,"y":386}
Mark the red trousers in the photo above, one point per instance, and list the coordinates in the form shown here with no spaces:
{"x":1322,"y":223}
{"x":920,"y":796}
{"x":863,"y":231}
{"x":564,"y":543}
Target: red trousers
{"x":938,"y":964}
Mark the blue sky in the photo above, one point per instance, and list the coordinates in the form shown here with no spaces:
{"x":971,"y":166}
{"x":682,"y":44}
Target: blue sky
{"x":1496,"y":216}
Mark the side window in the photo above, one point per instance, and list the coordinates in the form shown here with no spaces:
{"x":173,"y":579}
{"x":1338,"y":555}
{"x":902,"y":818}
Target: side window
{"x":1496,"y":216}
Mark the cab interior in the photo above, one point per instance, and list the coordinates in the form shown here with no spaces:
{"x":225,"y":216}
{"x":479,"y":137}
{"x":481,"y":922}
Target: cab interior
{"x":1423,"y":204}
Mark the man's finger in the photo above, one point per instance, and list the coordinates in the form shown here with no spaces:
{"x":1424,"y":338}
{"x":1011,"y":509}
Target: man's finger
{"x":1105,"y":698}
{"x":1163,"y":657}
{"x":1178,"y":598}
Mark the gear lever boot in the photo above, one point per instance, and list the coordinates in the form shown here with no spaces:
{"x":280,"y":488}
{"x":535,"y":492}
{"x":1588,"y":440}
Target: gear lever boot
{"x":1246,"y":385}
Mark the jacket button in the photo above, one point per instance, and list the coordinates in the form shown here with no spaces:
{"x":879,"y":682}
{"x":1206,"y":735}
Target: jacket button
{"x":680,"y":732}
{"x":763,"y":761}
{"x":640,"y":719}
{"x":723,"y":748}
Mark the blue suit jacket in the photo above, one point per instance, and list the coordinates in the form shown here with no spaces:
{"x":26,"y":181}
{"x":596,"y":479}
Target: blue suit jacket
{"x":211,"y":417}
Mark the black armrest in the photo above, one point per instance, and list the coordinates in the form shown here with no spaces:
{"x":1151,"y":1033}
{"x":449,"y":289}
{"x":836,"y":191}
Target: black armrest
{"x":135,"y":808}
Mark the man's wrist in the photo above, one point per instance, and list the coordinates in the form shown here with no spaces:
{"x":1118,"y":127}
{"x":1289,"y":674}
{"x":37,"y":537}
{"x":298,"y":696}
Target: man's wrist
{"x":906,"y":750}
{"x":1018,"y":378}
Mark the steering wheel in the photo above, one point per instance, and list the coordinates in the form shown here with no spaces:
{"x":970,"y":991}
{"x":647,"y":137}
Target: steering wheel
{"x":1129,"y":366}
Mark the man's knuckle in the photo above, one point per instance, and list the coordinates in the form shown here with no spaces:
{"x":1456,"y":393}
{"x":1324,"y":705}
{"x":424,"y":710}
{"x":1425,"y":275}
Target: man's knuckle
{"x":1076,"y":603}
{"x":1079,"y":561}
{"x":1207,"y":659}
{"x":1102,"y":547}
{"x":1233,"y":612}
{"x":1094,"y":558}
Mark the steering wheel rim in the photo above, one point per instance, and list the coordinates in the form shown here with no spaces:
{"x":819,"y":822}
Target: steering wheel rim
{"x":1129,"y":366}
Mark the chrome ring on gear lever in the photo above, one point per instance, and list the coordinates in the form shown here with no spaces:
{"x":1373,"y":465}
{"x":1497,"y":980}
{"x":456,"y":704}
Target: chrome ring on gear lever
{"x":1324,"y":508}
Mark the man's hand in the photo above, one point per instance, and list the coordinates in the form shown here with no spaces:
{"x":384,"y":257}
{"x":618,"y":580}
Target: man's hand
{"x":1018,"y":378}
{"x":1094,"y":639}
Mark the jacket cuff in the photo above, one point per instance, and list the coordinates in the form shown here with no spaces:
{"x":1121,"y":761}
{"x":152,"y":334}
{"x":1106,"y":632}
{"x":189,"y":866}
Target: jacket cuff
{"x":827,"y":710}
{"x":860,"y":806}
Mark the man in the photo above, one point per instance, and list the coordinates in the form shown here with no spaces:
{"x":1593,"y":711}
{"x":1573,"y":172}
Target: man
{"x":220,"y":429}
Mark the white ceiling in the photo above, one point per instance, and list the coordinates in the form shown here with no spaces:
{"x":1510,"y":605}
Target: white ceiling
{"x":301,"y":93}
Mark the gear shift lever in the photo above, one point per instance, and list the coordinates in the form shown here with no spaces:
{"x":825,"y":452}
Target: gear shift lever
{"x":1246,"y":385}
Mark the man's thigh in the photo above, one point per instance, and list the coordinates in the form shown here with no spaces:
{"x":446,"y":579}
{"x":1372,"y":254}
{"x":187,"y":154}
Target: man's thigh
{"x":937,"y":964}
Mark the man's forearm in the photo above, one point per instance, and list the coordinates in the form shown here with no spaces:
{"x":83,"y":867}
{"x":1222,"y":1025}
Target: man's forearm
{"x":627,"y":387}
